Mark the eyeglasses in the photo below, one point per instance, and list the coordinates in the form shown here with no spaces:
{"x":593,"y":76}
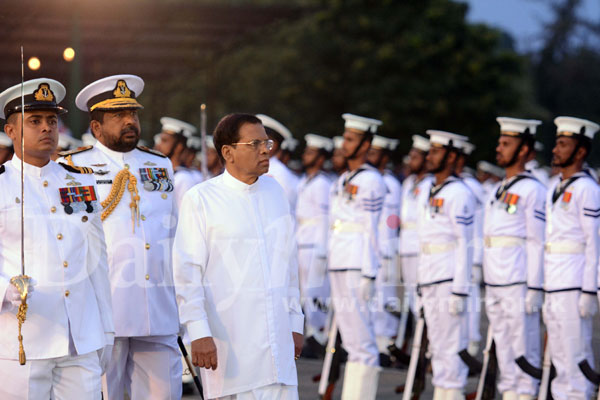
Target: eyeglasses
{"x":255,"y":144}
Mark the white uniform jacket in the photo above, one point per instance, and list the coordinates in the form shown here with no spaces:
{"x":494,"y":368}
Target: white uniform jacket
{"x":445,"y":233}
{"x":287,"y":179}
{"x":66,"y":255}
{"x":236,"y":272}
{"x":355,"y":209}
{"x":479,"y":194}
{"x":390,"y":217}
{"x":514,"y":223}
{"x":312,"y":213}
{"x":139,"y":258}
{"x":414,"y":195}
{"x":183,"y":180}
{"x":571,"y":250}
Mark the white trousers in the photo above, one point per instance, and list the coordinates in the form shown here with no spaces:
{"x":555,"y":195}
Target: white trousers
{"x":314,"y":292}
{"x":474,"y":312}
{"x":409,"y":266}
{"x":570,"y":341}
{"x":146,"y":367}
{"x":516,"y":334}
{"x":62,"y":378}
{"x":354,"y":318}
{"x":386,"y":302}
{"x":448,"y":335}
{"x":271,"y":392}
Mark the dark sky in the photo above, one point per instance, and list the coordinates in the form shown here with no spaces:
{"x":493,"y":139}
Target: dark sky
{"x":521,"y":18}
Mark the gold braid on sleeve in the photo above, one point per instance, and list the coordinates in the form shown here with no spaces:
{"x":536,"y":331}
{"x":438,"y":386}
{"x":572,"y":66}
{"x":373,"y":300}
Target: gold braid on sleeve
{"x":123,"y":179}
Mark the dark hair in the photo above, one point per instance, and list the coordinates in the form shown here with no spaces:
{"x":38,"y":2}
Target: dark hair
{"x":97,"y":115}
{"x":227,"y":131}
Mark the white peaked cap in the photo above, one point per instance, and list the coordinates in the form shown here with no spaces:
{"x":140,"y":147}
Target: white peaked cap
{"x":570,"y":126}
{"x":363,"y":124}
{"x":420,"y":143}
{"x":490,"y":168}
{"x":289,"y":144}
{"x":5,"y":140}
{"x":444,"y":138}
{"x":337,"y":142}
{"x":209,"y":142}
{"x":467,"y":148}
{"x":277,"y":126}
{"x":380,"y":142}
{"x":516,"y":126}
{"x":39,"y":94}
{"x":111,"y":93}
{"x":319,"y":142}
{"x":177,"y":126}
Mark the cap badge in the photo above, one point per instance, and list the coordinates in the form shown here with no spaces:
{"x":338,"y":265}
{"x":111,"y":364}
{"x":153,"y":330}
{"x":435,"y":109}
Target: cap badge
{"x":43,"y":93}
{"x":122,"y":90}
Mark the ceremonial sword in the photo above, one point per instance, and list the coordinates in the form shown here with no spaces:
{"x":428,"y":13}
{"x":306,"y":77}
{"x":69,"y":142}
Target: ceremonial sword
{"x":190,"y":366}
{"x":22,"y":281}
{"x":204,"y":167}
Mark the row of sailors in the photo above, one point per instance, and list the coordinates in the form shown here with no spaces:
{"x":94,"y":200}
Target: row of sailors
{"x":358,"y":234}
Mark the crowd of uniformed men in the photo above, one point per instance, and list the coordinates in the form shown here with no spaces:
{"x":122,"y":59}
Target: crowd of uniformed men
{"x":378,"y":238}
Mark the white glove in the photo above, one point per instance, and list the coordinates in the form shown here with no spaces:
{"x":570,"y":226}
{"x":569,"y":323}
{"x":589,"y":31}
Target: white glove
{"x":588,"y":305}
{"x":105,"y":355}
{"x":366,"y":289}
{"x":533,"y":301}
{"x":456,"y":304}
{"x":477,"y":275}
{"x":317,"y":274}
{"x":12,"y":297}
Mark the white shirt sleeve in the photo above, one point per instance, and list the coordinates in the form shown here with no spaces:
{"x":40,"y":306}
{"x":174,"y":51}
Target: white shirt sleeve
{"x":535,"y":225}
{"x":462,"y":219}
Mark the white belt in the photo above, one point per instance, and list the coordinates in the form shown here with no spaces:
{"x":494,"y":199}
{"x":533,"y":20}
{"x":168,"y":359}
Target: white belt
{"x":308,"y":221}
{"x":347,"y":227}
{"x":408,"y":225}
{"x":503,"y":241}
{"x":436,"y":248}
{"x":564,"y":248}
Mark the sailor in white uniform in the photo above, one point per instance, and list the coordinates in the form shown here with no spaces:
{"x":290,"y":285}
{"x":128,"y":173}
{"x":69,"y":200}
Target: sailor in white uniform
{"x":415,"y":190}
{"x":278,"y":170}
{"x":388,"y":304}
{"x":514,"y":226}
{"x":467,"y":149}
{"x":312,"y":219}
{"x":355,"y":209}
{"x":571,"y":258}
{"x":445,"y":229}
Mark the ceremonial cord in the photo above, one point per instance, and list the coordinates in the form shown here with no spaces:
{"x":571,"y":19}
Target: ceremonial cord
{"x":116,"y":193}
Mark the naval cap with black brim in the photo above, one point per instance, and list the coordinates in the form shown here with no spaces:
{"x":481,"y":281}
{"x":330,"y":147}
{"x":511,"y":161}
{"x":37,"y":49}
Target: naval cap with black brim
{"x":42,"y":94}
{"x":446,"y":139}
{"x":575,"y":127}
{"x":117,"y":92}
{"x":517,"y":127}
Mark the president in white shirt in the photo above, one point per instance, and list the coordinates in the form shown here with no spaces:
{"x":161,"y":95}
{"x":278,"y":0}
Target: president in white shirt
{"x":236,"y":272}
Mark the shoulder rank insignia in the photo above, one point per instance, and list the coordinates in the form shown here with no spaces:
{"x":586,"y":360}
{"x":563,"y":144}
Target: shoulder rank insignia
{"x":156,"y":179}
{"x":151,"y":151}
{"x":77,"y":170}
{"x":75,"y":151}
{"x":79,"y":198}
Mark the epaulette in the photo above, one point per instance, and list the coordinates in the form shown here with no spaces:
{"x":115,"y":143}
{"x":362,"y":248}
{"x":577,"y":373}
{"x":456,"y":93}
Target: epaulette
{"x":77,"y":170}
{"x":151,"y":151}
{"x":76,"y":151}
{"x":2,"y":169}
